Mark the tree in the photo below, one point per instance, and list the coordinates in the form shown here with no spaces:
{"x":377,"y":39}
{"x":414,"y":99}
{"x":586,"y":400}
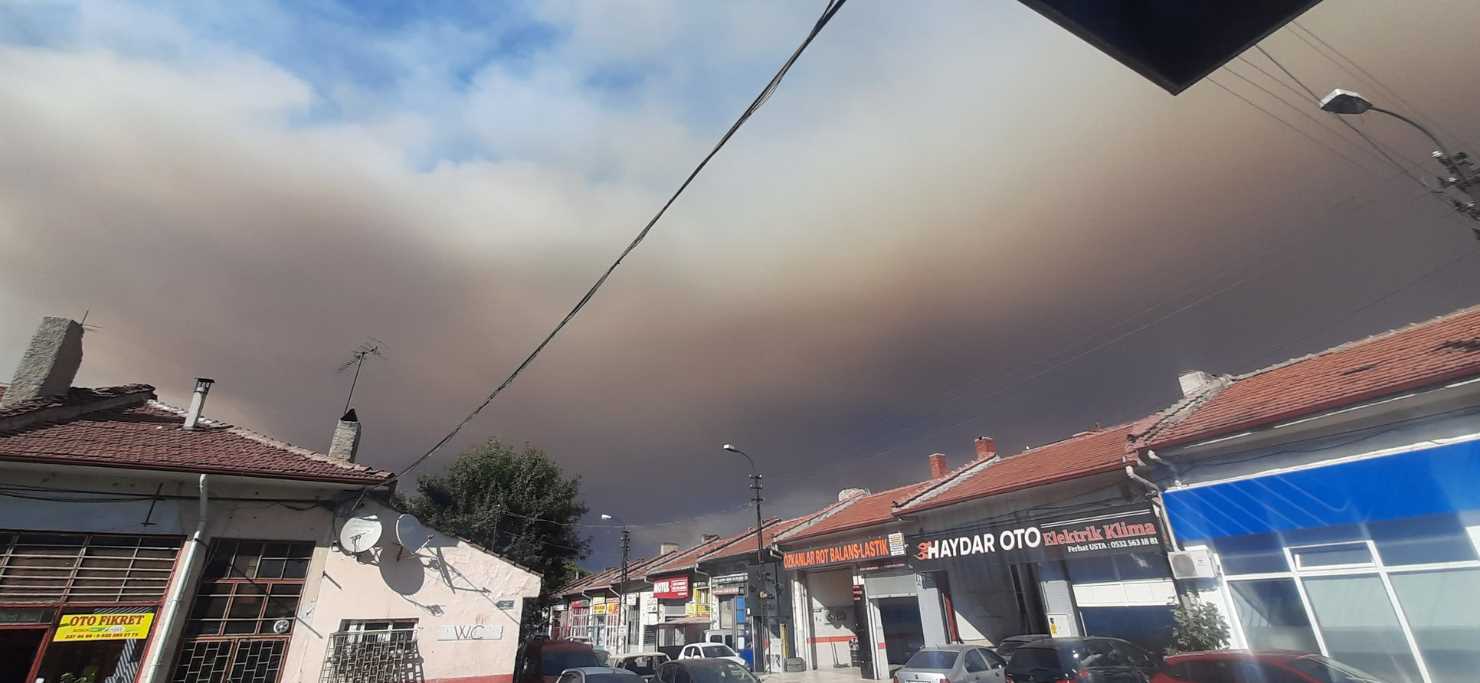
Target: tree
{"x":520,"y":505}
{"x":1197,"y":627}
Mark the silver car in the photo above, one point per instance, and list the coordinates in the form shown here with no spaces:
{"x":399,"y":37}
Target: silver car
{"x":953,"y":664}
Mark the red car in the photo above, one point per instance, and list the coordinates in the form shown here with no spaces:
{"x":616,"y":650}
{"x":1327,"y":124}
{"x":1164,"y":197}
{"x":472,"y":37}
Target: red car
{"x":1244,"y":666}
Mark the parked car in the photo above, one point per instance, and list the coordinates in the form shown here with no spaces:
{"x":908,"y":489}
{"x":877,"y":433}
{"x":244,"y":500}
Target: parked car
{"x":542,"y":661}
{"x":953,"y":664}
{"x":710,"y":651}
{"x":598,"y":674}
{"x":1010,"y":644}
{"x":1082,"y":660}
{"x":644,"y":664}
{"x":705,"y":670}
{"x":1243,"y":666}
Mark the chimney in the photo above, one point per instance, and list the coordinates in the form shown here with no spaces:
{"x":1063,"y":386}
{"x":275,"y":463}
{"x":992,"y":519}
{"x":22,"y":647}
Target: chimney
{"x":938,"y":467}
{"x":197,"y":402}
{"x":665,"y":548}
{"x":1193,"y":382}
{"x":845,"y":494}
{"x":346,"y":441}
{"x":986,"y":448}
{"x":49,"y":364}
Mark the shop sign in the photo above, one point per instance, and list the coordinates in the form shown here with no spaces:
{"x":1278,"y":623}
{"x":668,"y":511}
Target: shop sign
{"x":598,"y":600}
{"x":613,"y":608}
{"x":872,"y":548}
{"x":128,"y":626}
{"x":730,"y":579}
{"x":671,"y":588}
{"x":1051,"y":539}
{"x":578,"y":604}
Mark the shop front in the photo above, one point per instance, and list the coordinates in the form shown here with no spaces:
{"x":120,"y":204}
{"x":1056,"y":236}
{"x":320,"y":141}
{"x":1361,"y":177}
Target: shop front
{"x":855,"y":604}
{"x":1372,"y":561}
{"x":1100,"y":571}
{"x":80,"y":606}
{"x":683,"y":610}
{"x":730,"y":625}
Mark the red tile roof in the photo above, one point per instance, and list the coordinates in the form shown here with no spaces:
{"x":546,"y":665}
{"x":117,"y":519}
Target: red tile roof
{"x":745,"y":544}
{"x":1077,"y":456}
{"x":685,"y":560}
{"x":860,"y":512}
{"x":121,"y":427}
{"x":1424,"y":354}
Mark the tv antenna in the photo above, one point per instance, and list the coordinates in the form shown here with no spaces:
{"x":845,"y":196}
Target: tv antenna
{"x":370,"y":347}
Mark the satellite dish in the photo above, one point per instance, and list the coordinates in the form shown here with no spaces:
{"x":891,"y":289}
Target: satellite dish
{"x":360,"y":533}
{"x":411,"y":534}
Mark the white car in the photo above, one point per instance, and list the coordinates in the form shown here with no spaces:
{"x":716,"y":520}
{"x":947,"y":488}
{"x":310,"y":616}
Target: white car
{"x":710,"y":651}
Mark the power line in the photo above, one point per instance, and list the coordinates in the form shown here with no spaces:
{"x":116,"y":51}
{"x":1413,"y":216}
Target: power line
{"x":1303,"y":111}
{"x":827,"y":14}
{"x":1287,"y":124}
{"x":1317,"y":98}
{"x":1369,"y":76}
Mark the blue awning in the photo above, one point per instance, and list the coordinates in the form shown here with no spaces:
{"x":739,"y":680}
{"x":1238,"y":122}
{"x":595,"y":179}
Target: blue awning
{"x":1439,"y":480}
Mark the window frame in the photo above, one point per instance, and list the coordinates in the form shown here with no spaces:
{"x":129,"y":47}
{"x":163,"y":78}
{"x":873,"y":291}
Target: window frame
{"x":1377,"y":567}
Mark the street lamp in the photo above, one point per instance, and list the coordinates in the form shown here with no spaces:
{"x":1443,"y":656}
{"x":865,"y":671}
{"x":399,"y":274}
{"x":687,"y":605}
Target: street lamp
{"x":1348,"y":103}
{"x":622,"y":585}
{"x":760,"y":554}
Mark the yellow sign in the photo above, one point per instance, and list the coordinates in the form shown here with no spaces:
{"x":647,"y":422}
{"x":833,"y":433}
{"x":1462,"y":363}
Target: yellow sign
{"x":129,"y":626}
{"x":612,"y":608}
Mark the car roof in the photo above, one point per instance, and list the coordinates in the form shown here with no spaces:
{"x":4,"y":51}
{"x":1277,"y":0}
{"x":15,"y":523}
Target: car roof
{"x":565,"y":645}
{"x":589,"y":670}
{"x":1237,"y":654}
{"x":650,"y":653}
{"x":1027,"y":637}
{"x":953,"y":647}
{"x":703,"y":662}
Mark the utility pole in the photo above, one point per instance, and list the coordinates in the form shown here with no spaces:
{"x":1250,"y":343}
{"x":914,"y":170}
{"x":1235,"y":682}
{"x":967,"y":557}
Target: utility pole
{"x":757,"y":625}
{"x":621,"y":627}
{"x":622,"y":594}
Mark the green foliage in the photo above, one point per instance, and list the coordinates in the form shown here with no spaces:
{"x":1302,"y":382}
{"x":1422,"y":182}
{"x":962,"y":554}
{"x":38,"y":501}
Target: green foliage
{"x":517,"y":504}
{"x":1197,"y":627}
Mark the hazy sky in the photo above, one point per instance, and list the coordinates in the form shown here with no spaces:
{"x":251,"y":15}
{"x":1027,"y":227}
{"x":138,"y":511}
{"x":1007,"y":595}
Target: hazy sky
{"x":954,"y":219}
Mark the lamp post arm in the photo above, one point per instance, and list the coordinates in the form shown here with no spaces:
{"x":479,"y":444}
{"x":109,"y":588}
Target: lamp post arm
{"x":1421,"y":128}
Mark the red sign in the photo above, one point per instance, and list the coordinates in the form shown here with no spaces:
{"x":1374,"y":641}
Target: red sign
{"x":671,"y":587}
{"x":857,"y":551}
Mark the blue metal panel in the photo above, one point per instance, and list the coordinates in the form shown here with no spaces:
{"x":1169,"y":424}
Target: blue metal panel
{"x":1432,"y":481}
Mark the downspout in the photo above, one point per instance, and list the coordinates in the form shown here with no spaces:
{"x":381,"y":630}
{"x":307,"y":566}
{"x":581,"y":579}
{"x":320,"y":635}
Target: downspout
{"x":171,"y":619}
{"x":1159,"y":509}
{"x":708,"y":592}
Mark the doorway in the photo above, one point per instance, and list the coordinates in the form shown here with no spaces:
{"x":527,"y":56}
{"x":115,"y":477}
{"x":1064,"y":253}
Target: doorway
{"x":904,"y":633}
{"x":18,"y":649}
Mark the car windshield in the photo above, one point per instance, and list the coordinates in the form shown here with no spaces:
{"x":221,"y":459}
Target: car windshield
{"x":717,"y":651}
{"x":719,"y":671}
{"x":552,"y":662}
{"x":1330,"y":671}
{"x":643,"y":666}
{"x":932,"y":659}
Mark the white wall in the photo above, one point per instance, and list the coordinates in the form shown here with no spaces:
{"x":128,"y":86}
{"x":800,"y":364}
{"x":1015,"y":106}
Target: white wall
{"x":448,"y":583}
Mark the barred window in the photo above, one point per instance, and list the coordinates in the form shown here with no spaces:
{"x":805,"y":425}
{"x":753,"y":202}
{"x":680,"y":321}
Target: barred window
{"x":244,"y":611}
{"x":381,"y":650}
{"x":249,"y":587}
{"x":42,"y":567}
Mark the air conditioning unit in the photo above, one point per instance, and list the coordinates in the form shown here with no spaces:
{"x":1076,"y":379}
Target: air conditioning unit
{"x":1192,"y":564}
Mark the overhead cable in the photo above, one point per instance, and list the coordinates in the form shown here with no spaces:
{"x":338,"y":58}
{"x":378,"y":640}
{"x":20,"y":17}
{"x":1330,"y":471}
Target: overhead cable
{"x":828,"y":13}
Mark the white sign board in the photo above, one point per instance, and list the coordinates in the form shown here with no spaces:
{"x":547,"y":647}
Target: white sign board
{"x":470,"y":632}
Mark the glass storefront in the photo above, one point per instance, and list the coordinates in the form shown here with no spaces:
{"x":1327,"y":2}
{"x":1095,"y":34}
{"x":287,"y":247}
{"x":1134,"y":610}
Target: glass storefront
{"x":1398,"y":598}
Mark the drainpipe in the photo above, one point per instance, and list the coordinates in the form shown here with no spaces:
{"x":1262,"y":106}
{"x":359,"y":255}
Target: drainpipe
{"x":1158,"y":509}
{"x":708,"y":592}
{"x":156,"y":665}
